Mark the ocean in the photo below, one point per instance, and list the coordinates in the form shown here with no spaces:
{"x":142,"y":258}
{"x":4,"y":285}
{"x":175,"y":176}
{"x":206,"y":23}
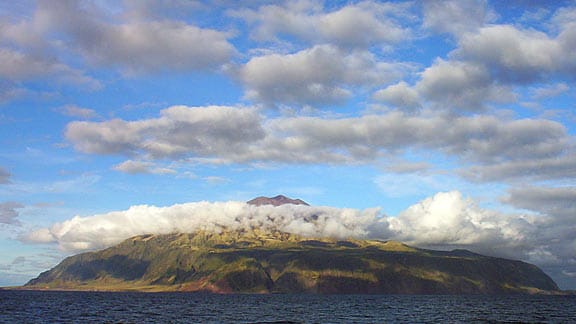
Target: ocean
{"x":117,"y":307}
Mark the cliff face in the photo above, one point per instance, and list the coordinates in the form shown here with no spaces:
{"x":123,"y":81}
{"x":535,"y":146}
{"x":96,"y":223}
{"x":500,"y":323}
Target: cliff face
{"x":253,"y":262}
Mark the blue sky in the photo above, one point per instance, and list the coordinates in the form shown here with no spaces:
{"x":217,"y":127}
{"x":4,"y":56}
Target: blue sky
{"x":443,"y":124}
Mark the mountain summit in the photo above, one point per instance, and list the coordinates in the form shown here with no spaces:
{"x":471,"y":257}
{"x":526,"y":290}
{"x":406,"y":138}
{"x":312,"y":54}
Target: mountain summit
{"x":276,"y":201}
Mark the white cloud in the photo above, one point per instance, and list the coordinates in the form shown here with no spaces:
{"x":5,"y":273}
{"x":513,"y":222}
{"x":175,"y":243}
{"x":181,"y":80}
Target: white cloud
{"x":455,"y":16}
{"x":513,"y":55}
{"x":448,"y":218}
{"x":550,"y":91}
{"x":215,"y":180}
{"x":22,"y":66}
{"x":558,"y":202}
{"x":138,"y":45}
{"x":399,"y":95}
{"x":443,"y":219}
{"x":158,"y":46}
{"x":359,"y":25}
{"x":538,"y":169}
{"x":320,"y":75}
{"x":555,"y":240}
{"x":99,"y":231}
{"x":180,"y":130}
{"x":491,"y":61}
{"x":241,"y":135}
{"x":460,"y":86}
{"x":565,"y":18}
{"x":75,"y":111}
{"x":477,"y":138}
{"x":520,"y":56}
{"x":135,"y":167}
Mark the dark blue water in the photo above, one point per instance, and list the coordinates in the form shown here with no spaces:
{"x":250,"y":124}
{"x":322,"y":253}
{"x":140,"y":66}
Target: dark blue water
{"x":98,"y":307}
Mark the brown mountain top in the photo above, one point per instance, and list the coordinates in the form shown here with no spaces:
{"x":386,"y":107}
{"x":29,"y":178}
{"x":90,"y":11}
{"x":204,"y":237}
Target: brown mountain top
{"x":276,"y":201}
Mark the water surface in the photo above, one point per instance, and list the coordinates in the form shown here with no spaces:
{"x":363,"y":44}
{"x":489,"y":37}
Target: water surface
{"x":102,"y":307}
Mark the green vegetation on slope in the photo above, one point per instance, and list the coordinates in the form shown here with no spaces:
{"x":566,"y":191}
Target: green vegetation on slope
{"x":262,"y":262}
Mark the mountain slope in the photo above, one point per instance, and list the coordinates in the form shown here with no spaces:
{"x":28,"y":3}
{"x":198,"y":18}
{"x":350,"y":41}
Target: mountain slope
{"x":258,"y":262}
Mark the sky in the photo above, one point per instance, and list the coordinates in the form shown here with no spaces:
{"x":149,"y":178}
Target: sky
{"x":442,"y":124}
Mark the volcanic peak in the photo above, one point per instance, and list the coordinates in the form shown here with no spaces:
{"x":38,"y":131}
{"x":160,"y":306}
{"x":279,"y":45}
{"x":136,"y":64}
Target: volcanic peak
{"x":276,"y":201}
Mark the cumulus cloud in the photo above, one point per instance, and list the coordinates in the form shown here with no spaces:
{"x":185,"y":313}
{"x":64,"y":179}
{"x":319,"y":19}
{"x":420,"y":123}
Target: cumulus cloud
{"x":455,"y":16}
{"x":27,"y":56}
{"x":9,"y":213}
{"x":399,"y":95}
{"x":241,"y":135}
{"x":557,"y":224}
{"x":477,"y":138}
{"x":138,"y":45}
{"x":179,"y":131}
{"x":513,"y":55}
{"x":358,"y":25}
{"x":460,"y":86}
{"x":537,"y":169}
{"x":558,"y":202}
{"x":449,"y":219}
{"x":520,"y":56}
{"x":490,"y":61}
{"x":319,"y":75}
{"x":21,"y":66}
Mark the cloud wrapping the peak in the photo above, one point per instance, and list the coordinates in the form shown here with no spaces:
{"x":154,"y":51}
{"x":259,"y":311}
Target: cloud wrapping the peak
{"x":446,"y":220}
{"x":103,"y":230}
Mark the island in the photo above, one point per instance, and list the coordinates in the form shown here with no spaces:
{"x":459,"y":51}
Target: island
{"x":257,"y":261}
